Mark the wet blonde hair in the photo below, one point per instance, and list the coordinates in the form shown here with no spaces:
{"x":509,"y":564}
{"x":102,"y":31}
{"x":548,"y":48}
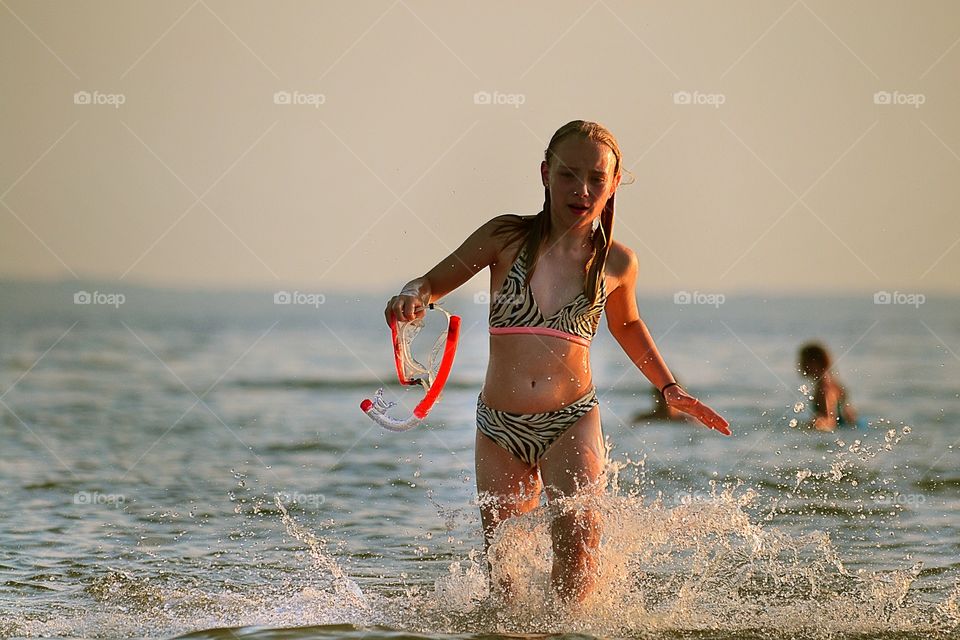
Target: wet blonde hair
{"x":536,"y":230}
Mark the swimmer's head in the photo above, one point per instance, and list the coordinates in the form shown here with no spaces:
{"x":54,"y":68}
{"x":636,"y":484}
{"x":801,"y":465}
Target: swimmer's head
{"x":582,"y":165}
{"x":581,"y":170}
{"x":814,"y":360}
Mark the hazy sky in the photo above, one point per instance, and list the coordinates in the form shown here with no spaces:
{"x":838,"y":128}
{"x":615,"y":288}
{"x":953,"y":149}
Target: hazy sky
{"x":180,"y":166}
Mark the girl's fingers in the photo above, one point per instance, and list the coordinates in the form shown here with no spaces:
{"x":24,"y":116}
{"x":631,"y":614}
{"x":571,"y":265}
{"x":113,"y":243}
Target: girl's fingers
{"x":717,"y":423}
{"x":713,"y":420}
{"x":704,"y":414}
{"x":410,"y":309}
{"x":388,"y":312}
{"x":403,"y":309}
{"x":394,"y":311}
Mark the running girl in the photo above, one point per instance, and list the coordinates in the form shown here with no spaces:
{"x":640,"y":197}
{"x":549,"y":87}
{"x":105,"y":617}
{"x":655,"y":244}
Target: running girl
{"x":551,"y":277}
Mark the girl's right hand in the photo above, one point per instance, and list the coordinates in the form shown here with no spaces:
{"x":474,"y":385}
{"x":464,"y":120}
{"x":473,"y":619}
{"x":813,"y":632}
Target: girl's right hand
{"x":404,"y":308}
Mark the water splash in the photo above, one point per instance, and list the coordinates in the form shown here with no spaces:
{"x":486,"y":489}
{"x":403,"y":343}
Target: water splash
{"x":347,"y":592}
{"x":692,"y":563}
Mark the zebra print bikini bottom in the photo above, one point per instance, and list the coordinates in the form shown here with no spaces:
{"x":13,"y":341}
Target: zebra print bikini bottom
{"x":529,"y":435}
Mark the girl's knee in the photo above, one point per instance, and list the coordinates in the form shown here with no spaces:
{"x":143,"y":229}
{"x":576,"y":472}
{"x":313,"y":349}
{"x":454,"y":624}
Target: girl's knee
{"x":576,"y":531}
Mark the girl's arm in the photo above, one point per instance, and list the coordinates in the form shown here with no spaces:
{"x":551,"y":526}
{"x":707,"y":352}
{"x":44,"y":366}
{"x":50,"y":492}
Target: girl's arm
{"x":477,"y":251}
{"x":634,"y":338}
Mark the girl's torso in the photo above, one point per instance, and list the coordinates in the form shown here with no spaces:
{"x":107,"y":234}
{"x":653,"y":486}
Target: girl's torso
{"x":532,"y":373}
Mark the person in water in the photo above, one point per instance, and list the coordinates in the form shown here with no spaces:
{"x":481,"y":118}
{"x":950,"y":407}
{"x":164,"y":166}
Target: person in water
{"x":831,"y":407}
{"x":661,"y":410}
{"x":551,"y":277}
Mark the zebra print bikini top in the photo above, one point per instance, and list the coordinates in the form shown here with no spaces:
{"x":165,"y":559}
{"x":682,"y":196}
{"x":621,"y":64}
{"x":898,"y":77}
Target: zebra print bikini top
{"x":513,"y":310}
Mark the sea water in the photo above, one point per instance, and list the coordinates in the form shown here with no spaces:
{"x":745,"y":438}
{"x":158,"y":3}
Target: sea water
{"x":196,"y":463}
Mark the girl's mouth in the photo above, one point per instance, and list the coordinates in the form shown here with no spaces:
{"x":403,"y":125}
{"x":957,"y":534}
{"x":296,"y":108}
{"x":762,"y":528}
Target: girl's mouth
{"x":579,"y":208}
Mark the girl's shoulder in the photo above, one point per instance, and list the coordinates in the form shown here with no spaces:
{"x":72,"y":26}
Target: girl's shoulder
{"x":621,"y":260}
{"x":506,"y":233}
{"x":508,"y":227}
{"x":509,"y":220}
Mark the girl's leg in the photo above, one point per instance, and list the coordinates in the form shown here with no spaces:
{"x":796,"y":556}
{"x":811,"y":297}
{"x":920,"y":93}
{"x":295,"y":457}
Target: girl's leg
{"x":507,"y":486}
{"x":573,"y":465}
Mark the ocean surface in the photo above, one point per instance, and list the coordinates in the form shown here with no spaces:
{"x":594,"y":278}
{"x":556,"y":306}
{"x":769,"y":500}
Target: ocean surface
{"x":196,"y":464}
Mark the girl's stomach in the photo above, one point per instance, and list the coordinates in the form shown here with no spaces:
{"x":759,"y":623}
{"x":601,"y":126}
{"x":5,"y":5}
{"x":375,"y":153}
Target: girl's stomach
{"x":534,"y":373}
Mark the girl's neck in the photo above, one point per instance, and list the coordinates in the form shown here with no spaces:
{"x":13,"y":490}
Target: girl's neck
{"x":574,"y":239}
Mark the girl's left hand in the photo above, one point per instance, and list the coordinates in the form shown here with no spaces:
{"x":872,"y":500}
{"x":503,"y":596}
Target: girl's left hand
{"x":679,"y":399}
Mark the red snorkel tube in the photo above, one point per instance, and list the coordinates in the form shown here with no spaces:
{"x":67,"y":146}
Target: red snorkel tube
{"x":411,"y":372}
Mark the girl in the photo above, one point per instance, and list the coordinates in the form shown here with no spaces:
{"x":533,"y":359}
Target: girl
{"x":551,"y":276}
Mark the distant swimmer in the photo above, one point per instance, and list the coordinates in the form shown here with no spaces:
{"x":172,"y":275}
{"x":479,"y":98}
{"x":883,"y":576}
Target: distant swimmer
{"x":831,"y":405}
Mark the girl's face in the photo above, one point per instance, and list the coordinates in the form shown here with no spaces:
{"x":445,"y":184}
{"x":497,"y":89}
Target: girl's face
{"x":580,"y":178}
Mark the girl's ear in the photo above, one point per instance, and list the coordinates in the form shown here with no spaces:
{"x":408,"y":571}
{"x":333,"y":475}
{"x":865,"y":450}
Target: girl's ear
{"x":544,"y":173}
